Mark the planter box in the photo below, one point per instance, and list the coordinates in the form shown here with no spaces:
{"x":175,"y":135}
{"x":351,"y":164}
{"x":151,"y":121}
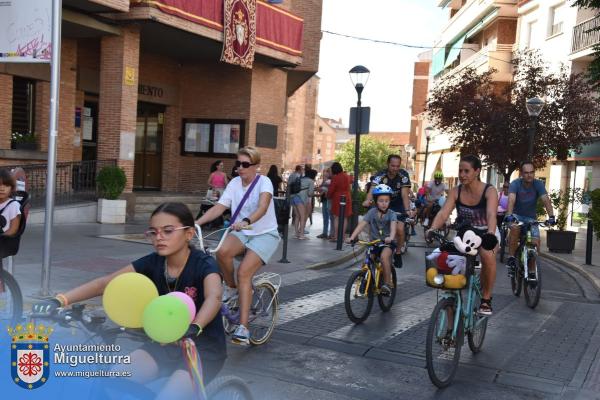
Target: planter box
{"x":24,"y":146}
{"x":560,"y":241}
{"x":111,"y":211}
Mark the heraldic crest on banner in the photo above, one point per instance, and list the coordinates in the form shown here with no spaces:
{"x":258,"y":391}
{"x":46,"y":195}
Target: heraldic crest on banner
{"x":30,"y":355}
{"x":239,"y":30}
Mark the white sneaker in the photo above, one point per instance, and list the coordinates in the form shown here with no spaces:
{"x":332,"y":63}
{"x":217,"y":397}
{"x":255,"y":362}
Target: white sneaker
{"x":229,"y":293}
{"x":241,"y":336}
{"x":426,"y":222}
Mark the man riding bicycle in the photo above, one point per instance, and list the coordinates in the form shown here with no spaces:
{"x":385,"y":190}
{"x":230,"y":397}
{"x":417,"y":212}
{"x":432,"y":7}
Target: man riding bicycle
{"x":434,"y":191}
{"x":398,"y":180}
{"x":523,"y":194}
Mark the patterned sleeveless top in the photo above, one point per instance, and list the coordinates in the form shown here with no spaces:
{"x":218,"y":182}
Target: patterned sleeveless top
{"x":476,"y":215}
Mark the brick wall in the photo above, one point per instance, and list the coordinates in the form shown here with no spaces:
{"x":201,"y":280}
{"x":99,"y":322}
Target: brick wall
{"x":311,"y":11}
{"x":118,"y":100}
{"x":66,"y":117}
{"x":42,"y":114}
{"x":507,"y":31}
{"x":6,"y":89}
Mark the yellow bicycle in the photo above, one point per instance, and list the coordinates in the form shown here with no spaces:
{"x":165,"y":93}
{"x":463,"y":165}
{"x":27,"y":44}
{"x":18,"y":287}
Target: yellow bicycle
{"x":365,"y":283}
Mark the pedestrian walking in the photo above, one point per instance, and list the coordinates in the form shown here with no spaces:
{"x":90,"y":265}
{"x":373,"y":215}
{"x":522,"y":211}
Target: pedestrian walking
{"x":325,"y":204}
{"x":217,"y":180}
{"x":340,"y":186}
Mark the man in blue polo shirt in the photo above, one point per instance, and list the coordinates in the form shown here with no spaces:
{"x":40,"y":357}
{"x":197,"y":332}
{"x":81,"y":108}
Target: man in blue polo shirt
{"x":523,"y":195}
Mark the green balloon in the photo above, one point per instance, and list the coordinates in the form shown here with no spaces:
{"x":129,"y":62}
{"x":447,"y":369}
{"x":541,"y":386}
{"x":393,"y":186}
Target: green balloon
{"x":166,"y":319}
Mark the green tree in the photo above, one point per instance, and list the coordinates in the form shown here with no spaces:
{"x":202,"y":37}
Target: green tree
{"x":594,"y":68}
{"x":373,"y":155}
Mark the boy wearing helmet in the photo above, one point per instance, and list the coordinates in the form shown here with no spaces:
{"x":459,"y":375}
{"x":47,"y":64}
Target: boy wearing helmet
{"x":382,"y":225}
{"x":435,"y":190}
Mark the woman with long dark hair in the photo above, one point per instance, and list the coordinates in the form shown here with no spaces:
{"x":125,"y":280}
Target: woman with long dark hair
{"x":217,"y":180}
{"x":476,"y":204}
{"x":276,"y":180}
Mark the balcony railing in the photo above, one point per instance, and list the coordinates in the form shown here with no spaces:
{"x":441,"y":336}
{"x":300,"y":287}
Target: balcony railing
{"x":586,"y":34}
{"x":75,"y":181}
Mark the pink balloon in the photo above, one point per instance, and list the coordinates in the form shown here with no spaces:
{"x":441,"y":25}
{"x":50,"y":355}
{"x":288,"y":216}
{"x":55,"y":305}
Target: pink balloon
{"x":188,"y":302}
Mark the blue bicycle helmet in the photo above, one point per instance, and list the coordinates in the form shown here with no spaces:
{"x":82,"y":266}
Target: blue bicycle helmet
{"x":382,"y":189}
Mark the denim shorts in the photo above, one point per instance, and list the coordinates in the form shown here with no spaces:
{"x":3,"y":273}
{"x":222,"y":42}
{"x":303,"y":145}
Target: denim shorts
{"x":296,"y":200}
{"x":535,"y":230}
{"x":264,"y":245}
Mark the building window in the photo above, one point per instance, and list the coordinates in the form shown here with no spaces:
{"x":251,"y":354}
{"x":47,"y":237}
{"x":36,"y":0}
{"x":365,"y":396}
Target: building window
{"x":555,"y":20}
{"x":531,"y":27}
{"x":23,"y":110}
{"x":219,"y":137}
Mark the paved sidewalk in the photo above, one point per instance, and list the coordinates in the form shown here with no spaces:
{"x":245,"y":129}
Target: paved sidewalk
{"x":81,"y":252}
{"x":576,"y":260}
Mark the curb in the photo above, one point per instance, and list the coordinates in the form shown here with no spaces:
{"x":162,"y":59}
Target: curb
{"x":577,"y":268}
{"x":336,"y":261}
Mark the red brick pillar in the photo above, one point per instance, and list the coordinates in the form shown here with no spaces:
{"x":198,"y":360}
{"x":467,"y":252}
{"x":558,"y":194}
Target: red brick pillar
{"x":42,"y":114}
{"x":6,"y":90}
{"x":66,"y":113}
{"x":119,"y":61}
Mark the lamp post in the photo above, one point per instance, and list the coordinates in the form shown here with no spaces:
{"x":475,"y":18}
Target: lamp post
{"x":428,"y":133}
{"x":359,"y":75}
{"x":534,"y":109}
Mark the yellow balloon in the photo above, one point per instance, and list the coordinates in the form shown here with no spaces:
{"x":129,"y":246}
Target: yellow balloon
{"x":125,"y":298}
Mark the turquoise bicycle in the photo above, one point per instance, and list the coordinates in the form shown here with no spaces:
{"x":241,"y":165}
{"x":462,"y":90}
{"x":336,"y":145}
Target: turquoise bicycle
{"x":453,"y":316}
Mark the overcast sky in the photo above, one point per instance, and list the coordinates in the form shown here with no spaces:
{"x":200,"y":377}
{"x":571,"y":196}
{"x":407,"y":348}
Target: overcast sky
{"x":389,"y":89}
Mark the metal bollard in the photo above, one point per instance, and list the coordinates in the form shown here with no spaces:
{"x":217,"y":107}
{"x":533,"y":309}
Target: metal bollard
{"x":340,"y":232}
{"x":284,"y":259}
{"x":588,"y":243}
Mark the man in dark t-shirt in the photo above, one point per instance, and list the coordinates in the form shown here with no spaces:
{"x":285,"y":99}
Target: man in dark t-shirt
{"x":396,"y":178}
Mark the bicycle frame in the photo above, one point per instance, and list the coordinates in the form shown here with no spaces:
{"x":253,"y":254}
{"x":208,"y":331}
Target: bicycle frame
{"x":373,"y":267}
{"x":265,"y":277}
{"x":526,"y":245}
{"x":465,"y":311}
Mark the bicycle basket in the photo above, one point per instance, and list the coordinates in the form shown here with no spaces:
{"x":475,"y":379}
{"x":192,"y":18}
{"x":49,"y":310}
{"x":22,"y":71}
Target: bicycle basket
{"x":440,"y":275}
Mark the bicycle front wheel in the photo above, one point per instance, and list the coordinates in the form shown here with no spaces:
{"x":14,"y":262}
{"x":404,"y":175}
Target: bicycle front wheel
{"x":263,"y":313}
{"x":11,"y":299}
{"x":358,"y":296}
{"x":386,"y":302}
{"x":228,"y":388}
{"x":533,"y":289}
{"x":442,"y":351}
{"x":516,"y":281}
{"x":502,"y":244}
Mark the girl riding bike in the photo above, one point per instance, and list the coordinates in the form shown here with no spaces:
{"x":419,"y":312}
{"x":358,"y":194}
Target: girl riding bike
{"x":174,"y":266}
{"x":255,"y":234}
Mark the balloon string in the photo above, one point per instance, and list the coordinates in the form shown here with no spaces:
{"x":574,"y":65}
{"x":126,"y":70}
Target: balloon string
{"x":194,"y":366}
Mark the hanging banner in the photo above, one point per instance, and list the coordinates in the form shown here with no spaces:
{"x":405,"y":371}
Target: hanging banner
{"x":26,"y":31}
{"x":239,"y":32}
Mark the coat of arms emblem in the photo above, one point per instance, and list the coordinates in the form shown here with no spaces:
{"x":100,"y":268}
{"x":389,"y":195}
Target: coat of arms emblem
{"x":30,"y":355}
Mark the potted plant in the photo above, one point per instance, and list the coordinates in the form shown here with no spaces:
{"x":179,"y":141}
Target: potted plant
{"x":558,"y":239}
{"x":22,"y":141}
{"x":111,"y":182}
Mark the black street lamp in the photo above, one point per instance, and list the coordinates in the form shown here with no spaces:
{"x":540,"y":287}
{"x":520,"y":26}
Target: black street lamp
{"x":428,"y":133}
{"x":534,"y":109}
{"x":359,"y":76}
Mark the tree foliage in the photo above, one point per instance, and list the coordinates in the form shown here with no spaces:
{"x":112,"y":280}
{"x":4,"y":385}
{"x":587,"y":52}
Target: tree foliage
{"x":490,"y":118}
{"x":373,"y":155}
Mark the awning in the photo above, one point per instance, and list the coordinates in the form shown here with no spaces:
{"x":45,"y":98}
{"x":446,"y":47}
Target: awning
{"x":437,"y":62}
{"x":432,"y":161}
{"x":455,"y":51}
{"x":481,"y":24}
{"x":450,"y":163}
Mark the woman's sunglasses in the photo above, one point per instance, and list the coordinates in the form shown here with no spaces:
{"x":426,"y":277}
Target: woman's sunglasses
{"x":243,"y":164}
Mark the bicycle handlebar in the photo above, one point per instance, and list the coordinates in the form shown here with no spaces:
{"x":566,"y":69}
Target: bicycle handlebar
{"x":198,"y":229}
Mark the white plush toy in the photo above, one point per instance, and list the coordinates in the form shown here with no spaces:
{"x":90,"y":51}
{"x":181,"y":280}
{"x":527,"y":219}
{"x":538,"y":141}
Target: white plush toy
{"x":434,"y":254}
{"x":458,"y":264}
{"x":468,"y":243}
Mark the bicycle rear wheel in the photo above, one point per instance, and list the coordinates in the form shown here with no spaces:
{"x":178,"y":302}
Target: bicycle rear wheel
{"x":11,"y":299}
{"x":442,"y":352}
{"x":228,"y":388}
{"x":533,"y":289}
{"x":386,"y":302}
{"x":407,"y":235}
{"x":516,"y":281}
{"x":476,"y":333}
{"x":263,"y":313}
{"x":358,"y":298}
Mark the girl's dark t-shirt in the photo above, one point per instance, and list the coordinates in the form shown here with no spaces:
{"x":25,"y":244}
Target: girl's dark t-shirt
{"x":198,"y":266}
